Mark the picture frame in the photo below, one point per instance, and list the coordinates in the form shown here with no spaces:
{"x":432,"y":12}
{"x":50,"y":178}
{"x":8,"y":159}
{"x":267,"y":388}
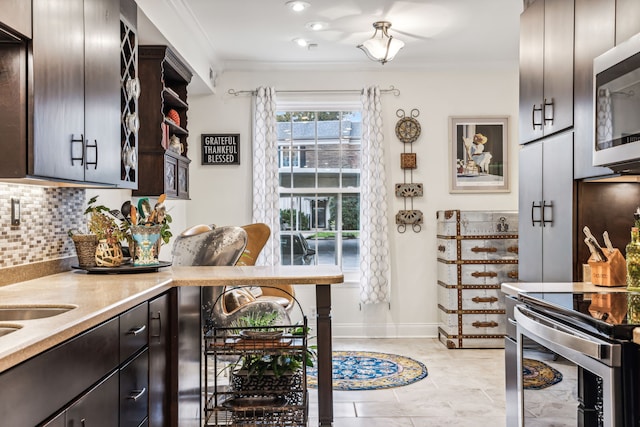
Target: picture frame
{"x":479,"y":154}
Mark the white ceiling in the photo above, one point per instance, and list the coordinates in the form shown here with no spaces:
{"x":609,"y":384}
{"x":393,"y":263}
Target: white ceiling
{"x":249,"y":34}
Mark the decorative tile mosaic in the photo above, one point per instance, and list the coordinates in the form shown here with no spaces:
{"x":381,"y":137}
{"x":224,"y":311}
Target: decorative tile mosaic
{"x":47,"y":214}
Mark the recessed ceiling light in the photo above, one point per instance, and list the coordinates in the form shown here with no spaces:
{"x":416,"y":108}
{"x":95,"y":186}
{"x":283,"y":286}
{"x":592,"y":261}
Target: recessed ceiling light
{"x":298,"y":6}
{"x":317,"y":25}
{"x":301,"y":42}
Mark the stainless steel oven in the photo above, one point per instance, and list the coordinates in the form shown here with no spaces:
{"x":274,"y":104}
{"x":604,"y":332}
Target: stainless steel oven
{"x":571,"y":366}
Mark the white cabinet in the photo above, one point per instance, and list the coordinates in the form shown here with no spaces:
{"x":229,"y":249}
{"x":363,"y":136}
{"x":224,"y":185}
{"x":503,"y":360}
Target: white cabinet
{"x":477,"y":252}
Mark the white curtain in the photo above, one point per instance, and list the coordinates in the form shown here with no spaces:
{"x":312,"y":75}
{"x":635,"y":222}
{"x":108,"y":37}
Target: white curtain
{"x":374,"y":244}
{"x":266,"y":203}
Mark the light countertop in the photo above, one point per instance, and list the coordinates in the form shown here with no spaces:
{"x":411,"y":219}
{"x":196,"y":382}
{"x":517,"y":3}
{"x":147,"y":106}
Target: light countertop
{"x":99,"y":297}
{"x":513,"y":288}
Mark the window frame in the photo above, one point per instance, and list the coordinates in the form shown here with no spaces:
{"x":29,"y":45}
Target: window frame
{"x":338,"y":192}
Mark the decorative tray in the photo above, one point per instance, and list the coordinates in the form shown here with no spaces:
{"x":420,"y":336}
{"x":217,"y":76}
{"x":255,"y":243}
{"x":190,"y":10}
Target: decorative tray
{"x":127,"y":268}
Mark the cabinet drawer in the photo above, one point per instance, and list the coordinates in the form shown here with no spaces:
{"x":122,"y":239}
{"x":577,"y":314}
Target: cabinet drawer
{"x":477,"y":223}
{"x":477,"y":274}
{"x":472,"y":324}
{"x":478,"y":249}
{"x":134,"y":331}
{"x":39,"y":387}
{"x":134,"y":391}
{"x":471,"y":299}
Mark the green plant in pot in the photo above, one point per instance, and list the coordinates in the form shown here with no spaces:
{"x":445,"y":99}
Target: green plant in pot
{"x":102,"y":238}
{"x":268,"y":367}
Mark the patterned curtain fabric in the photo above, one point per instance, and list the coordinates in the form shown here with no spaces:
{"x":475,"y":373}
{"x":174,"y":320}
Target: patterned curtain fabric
{"x":266,"y":206}
{"x":374,"y":245}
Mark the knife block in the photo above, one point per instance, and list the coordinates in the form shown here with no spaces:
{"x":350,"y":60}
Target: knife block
{"x":612,"y":272}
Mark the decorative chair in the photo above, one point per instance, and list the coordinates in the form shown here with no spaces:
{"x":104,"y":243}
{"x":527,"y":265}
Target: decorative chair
{"x":257,"y":236}
{"x":204,"y":245}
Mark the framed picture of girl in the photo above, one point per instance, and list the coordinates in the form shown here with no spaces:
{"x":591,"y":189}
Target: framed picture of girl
{"x":478,"y":158}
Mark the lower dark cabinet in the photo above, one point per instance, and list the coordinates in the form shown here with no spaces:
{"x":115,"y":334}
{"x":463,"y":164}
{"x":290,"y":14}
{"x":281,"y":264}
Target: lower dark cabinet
{"x":97,"y":408}
{"x":159,"y":361}
{"x":134,"y":391}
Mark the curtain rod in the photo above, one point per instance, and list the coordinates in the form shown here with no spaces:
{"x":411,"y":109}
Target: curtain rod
{"x":392,"y":89}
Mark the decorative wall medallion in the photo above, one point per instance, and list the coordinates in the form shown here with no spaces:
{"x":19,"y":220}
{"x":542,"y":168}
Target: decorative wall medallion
{"x":408,"y":190}
{"x":411,"y":216}
{"x":408,"y":161}
{"x":408,"y":128}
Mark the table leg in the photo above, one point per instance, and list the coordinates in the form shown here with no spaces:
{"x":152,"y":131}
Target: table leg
{"x":325,"y":369}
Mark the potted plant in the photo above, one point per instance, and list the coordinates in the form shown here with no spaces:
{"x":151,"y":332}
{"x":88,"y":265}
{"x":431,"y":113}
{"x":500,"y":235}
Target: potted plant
{"x":274,"y":361}
{"x":100,"y":243}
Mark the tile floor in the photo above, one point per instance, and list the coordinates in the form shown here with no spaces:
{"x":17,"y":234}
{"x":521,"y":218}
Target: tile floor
{"x":463,"y":388}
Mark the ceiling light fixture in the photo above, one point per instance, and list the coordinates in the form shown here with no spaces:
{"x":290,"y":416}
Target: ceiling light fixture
{"x":381,"y":48}
{"x":301,"y":42}
{"x":298,"y":6}
{"x":316,"y":26}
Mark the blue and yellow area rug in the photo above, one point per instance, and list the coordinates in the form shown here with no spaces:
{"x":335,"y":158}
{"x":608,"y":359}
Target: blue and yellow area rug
{"x":537,"y":375}
{"x":367,"y":370}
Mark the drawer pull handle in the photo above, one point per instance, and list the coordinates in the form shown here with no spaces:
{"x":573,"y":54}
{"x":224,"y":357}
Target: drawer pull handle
{"x":513,"y":274}
{"x":512,"y":249}
{"x":479,"y":300}
{"x":484,"y":274}
{"x":479,"y":249}
{"x":137,"y":394}
{"x":137,"y":331}
{"x":491,"y":324}
{"x":442,"y":248}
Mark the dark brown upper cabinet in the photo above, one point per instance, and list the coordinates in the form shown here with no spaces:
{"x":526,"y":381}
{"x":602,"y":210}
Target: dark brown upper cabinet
{"x":594,"y":35}
{"x":627,"y":19}
{"x":163,"y":94}
{"x":546,"y":68}
{"x":76,"y":91}
{"x":16,"y":15}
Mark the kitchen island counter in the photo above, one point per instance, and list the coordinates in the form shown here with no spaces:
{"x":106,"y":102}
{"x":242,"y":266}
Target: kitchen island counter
{"x":514,"y":288}
{"x":99,"y":297}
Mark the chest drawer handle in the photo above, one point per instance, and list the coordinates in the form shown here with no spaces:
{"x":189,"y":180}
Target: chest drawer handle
{"x":442,"y":248}
{"x":137,"y":331}
{"x":513,"y":274}
{"x":491,"y":324}
{"x":485,"y":299}
{"x":484,"y":274}
{"x":512,"y":249}
{"x":137,"y":394}
{"x":479,"y":249}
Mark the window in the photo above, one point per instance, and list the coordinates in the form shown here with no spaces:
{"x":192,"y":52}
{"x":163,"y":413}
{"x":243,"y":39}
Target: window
{"x":319,"y":172}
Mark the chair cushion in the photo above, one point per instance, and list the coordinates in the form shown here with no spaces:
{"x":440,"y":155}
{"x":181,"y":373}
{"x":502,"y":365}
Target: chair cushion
{"x":284,"y":302}
{"x":236,"y":298}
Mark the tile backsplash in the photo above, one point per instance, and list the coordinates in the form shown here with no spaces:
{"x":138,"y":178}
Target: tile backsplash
{"x":47,"y":214}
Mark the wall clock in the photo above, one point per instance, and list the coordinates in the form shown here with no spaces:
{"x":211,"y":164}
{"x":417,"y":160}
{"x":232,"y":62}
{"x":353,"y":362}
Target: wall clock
{"x":408,"y":128}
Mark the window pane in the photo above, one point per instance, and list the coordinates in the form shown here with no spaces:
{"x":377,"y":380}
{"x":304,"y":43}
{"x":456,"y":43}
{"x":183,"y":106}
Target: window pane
{"x":320,"y":151}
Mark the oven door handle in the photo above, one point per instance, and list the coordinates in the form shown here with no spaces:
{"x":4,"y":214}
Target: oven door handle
{"x":556,"y":332}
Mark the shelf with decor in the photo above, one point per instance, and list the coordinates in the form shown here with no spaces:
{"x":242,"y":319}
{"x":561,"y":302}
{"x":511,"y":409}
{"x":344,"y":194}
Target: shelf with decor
{"x":163,"y":138}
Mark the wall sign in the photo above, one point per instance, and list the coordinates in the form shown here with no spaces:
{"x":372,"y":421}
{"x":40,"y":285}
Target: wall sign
{"x":221,"y":149}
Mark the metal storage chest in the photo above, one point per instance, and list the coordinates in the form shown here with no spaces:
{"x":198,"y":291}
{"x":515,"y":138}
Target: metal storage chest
{"x":477,"y":251}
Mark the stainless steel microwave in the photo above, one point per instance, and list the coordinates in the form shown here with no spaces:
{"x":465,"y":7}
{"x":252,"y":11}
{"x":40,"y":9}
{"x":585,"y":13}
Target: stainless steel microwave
{"x":616,"y":101}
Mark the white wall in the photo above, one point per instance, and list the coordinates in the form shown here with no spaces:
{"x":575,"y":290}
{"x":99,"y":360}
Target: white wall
{"x":222,"y":194}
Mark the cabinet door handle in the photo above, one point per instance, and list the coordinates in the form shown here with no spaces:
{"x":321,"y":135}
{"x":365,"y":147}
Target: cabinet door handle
{"x":137,"y":331}
{"x":491,"y":324}
{"x":484,"y":274}
{"x":87,"y":146}
{"x":533,"y":220}
{"x":81,"y":141}
{"x":157,"y":318}
{"x":137,"y":394}
{"x":548,"y":118}
{"x":544,"y":209}
{"x":478,"y":249}
{"x":479,"y":300}
{"x":533,"y":117}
